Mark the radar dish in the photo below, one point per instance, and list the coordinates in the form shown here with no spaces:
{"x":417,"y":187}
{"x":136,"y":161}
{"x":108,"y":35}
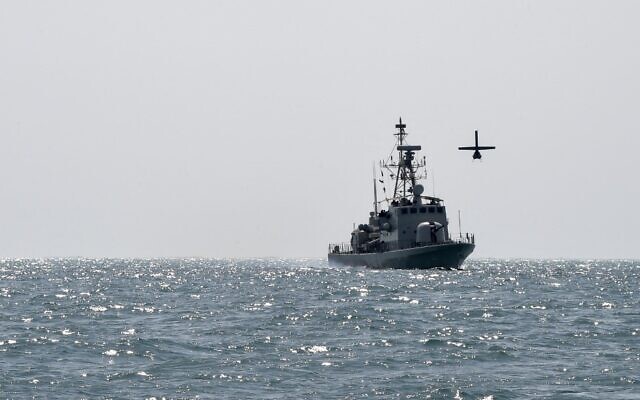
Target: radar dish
{"x":418,"y":189}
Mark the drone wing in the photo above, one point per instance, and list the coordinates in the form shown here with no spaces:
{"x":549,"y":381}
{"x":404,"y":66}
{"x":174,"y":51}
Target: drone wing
{"x":467,"y":148}
{"x":486,"y":147}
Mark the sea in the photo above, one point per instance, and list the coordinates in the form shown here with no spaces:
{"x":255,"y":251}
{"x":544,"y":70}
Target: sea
{"x":302,"y":329}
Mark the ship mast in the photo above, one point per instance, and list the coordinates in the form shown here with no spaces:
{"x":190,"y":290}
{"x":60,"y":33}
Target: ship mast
{"x":406,"y":167}
{"x":401,"y":134}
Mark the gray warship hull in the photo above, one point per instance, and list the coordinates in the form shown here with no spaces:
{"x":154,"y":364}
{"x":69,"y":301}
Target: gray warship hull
{"x":445,"y":255}
{"x":413,"y":232}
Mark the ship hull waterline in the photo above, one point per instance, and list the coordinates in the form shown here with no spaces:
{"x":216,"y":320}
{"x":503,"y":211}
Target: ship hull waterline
{"x":446,"y":255}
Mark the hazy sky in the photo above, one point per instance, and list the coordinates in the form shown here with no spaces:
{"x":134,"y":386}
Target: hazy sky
{"x":248,"y":128}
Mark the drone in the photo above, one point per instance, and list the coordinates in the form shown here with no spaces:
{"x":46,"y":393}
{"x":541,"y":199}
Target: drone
{"x":476,"y":149}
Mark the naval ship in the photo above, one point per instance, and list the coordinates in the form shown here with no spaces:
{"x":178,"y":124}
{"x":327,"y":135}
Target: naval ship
{"x":413,"y":232}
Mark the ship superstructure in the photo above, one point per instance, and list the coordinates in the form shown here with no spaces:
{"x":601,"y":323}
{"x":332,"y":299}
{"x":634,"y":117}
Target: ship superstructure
{"x":413,"y":232}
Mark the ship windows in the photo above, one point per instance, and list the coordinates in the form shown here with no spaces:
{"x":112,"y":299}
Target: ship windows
{"x":404,"y":210}
{"x":440,"y":209}
{"x":423,"y":210}
{"x":414,"y":210}
{"x":432,"y":210}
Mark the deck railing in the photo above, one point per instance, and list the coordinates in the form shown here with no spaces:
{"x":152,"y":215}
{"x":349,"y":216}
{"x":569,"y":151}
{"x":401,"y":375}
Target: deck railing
{"x":346,"y":248}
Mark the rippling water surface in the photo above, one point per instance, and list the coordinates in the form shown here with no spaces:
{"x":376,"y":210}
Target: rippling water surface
{"x":267,"y":328}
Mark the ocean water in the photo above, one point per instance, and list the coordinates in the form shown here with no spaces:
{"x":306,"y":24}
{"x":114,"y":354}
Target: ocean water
{"x":299,"y":329}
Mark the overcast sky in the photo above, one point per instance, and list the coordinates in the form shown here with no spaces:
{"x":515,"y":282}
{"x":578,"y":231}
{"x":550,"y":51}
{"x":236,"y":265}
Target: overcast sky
{"x":248,"y":128}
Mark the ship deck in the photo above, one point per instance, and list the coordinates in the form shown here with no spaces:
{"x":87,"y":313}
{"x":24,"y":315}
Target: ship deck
{"x":346,"y":248}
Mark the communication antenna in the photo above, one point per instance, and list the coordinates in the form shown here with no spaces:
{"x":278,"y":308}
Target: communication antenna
{"x":459,"y":225}
{"x":433,"y":180}
{"x":375,"y":190}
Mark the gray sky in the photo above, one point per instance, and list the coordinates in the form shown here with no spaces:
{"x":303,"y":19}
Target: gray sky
{"x":231,"y":128}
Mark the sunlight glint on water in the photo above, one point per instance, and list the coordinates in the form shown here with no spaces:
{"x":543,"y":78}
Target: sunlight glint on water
{"x":302,"y":329}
